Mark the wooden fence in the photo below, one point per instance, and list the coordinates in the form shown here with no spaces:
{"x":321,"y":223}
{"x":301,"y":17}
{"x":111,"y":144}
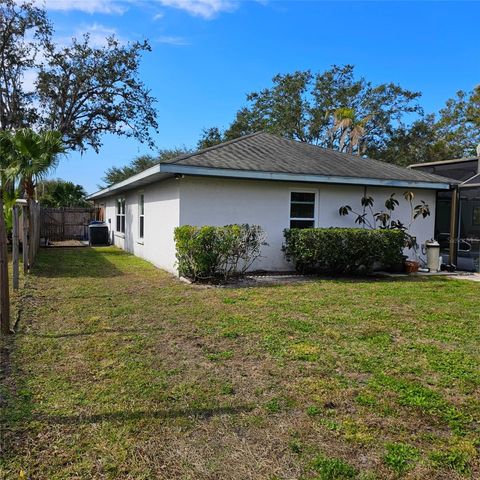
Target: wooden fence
{"x":25,"y":230}
{"x":58,"y":224}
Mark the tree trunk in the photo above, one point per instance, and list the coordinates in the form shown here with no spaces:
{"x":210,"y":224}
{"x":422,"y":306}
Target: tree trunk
{"x":4,"y":290}
{"x":31,"y":232}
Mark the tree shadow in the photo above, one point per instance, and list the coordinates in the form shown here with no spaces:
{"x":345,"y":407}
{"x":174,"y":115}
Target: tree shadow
{"x":94,"y":332}
{"x":76,"y":262}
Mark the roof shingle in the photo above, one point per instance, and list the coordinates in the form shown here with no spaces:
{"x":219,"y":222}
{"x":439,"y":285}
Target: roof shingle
{"x":263,"y":152}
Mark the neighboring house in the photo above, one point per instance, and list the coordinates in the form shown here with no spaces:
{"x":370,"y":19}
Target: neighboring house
{"x":257,"y":179}
{"x":467,"y":224}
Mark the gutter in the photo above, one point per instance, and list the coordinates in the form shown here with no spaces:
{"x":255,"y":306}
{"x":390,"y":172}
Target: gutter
{"x":298,"y":177}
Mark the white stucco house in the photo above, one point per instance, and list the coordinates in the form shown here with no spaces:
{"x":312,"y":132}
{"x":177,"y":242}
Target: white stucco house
{"x":257,"y":179}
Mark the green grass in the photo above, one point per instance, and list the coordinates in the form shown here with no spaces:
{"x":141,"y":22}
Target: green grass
{"x":119,"y":371}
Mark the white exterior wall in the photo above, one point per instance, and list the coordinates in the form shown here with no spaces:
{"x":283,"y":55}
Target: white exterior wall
{"x":219,"y":201}
{"x":161,"y":208}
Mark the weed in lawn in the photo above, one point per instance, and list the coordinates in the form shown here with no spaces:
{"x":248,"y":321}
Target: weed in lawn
{"x":332,"y":469}
{"x":227,"y":389}
{"x":427,"y":400}
{"x":314,"y":410}
{"x":457,"y":458}
{"x":400,"y":457}
{"x":273,"y":405}
{"x":218,"y":356}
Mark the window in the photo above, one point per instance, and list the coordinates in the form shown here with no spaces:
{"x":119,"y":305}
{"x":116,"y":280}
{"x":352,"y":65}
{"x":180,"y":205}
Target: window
{"x":302,"y":209}
{"x":121,"y":215}
{"x":476,"y":216}
{"x":141,"y":215}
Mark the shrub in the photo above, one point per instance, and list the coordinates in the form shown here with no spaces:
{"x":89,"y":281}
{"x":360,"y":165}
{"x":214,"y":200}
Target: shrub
{"x":342,"y":250}
{"x":217,"y":253}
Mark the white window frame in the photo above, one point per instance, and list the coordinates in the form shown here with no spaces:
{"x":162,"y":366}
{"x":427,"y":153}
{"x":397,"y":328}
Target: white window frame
{"x":141,"y":215}
{"x":315,"y":206}
{"x":120,"y":213}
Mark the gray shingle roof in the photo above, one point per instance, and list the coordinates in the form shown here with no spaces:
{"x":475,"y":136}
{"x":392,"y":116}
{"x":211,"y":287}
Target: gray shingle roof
{"x":263,"y":152}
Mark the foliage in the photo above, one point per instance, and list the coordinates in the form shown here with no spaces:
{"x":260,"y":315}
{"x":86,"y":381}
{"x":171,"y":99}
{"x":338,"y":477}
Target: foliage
{"x":384,"y":220}
{"x":336,"y":110}
{"x":139,"y":164}
{"x":333,"y":109}
{"x":86,"y":91}
{"x":418,"y":142}
{"x":32,"y":156}
{"x":217,"y":253}
{"x":83,"y":91}
{"x":25,"y":32}
{"x":459,"y":121}
{"x":60,"y":193}
{"x":453,"y":133}
{"x":210,"y":137}
{"x":342,"y":250}
{"x":26,"y":157}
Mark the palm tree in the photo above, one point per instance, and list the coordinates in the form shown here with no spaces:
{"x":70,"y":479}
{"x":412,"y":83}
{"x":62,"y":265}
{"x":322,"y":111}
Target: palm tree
{"x":351,"y":129}
{"x":36,"y":154}
{"x":25,"y":157}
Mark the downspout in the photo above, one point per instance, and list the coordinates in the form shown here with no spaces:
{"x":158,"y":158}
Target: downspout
{"x":452,"y":257}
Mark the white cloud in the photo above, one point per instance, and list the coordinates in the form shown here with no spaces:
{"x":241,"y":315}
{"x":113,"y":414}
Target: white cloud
{"x":172,"y":40}
{"x":87,"y":6}
{"x":202,"y":8}
{"x":206,"y":9}
{"x":158,"y":16}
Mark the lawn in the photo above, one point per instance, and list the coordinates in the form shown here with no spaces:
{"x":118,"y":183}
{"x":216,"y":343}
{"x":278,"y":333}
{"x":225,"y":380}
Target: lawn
{"x":120,"y":371}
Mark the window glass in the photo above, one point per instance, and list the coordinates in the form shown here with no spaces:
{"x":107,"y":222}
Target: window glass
{"x":120,"y":220}
{"x":141,"y":216}
{"x":302,"y":210}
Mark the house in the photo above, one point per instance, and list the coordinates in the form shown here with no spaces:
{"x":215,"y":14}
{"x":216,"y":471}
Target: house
{"x":258,"y":179}
{"x":466,"y":218}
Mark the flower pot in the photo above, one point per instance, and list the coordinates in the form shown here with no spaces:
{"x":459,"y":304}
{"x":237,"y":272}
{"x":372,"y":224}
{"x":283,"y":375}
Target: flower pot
{"x":411,"y":266}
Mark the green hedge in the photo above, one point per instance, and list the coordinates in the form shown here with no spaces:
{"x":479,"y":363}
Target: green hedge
{"x":217,"y":253}
{"x":343,"y":250}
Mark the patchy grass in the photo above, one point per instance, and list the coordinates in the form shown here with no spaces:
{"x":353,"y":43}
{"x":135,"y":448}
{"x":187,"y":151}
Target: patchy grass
{"x":119,"y":371}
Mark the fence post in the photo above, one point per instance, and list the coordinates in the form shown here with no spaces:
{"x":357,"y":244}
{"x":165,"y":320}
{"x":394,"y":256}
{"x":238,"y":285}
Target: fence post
{"x":4,"y":290}
{"x":15,"y":228}
{"x":25,"y":239}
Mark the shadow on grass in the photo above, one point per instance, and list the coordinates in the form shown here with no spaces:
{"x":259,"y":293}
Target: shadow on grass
{"x":274,"y":281}
{"x":95,"y":332}
{"x":15,"y":401}
{"x":77,"y":262}
{"x":125,"y":416}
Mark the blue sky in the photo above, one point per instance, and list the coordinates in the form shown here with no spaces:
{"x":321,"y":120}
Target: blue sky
{"x":207,"y":54}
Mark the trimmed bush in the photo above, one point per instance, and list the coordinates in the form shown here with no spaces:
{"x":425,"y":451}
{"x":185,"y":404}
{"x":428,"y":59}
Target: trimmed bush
{"x":217,"y":253}
{"x":342,"y":250}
